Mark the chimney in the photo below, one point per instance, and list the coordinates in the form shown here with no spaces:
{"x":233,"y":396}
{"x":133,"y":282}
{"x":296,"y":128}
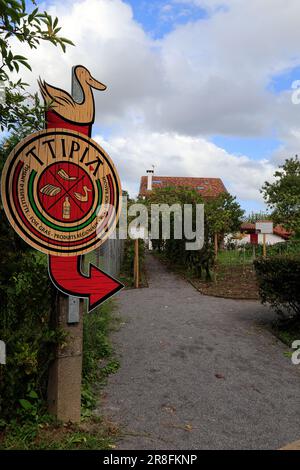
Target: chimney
{"x":149,"y":179}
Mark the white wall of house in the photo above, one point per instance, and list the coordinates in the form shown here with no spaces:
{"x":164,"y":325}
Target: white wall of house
{"x":271,"y":239}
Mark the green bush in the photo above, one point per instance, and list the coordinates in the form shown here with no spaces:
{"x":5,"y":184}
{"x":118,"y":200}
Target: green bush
{"x":279,"y":283}
{"x":291,"y":247}
{"x":25,"y":326}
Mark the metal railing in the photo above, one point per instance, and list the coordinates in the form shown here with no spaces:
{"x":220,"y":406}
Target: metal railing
{"x":108,"y":257}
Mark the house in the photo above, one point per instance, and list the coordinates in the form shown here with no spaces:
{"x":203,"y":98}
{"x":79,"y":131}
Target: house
{"x":279,"y":235}
{"x":207,"y":187}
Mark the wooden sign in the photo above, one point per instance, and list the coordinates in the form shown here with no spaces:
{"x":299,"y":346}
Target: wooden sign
{"x":56,"y":188}
{"x":61,"y":191}
{"x":264,"y":227}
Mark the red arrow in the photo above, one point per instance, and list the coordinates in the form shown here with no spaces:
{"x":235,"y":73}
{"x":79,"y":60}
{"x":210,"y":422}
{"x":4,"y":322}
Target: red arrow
{"x":66,"y":275}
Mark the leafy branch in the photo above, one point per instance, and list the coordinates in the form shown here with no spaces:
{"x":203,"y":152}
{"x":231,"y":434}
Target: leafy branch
{"x":31,"y":28}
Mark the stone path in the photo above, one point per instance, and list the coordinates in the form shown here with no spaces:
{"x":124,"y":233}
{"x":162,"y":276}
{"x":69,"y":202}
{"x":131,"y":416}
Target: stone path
{"x":199,"y":372}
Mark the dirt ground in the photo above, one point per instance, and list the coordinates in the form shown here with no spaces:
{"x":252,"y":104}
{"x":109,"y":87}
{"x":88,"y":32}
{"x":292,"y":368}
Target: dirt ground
{"x":238,"y":282}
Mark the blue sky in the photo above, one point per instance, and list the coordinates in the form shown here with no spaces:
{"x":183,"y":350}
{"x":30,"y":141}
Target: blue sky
{"x":256,"y":148}
{"x":283,"y":81}
{"x":159,"y":17}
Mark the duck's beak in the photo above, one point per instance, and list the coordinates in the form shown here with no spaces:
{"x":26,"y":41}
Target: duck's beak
{"x":96,"y":84}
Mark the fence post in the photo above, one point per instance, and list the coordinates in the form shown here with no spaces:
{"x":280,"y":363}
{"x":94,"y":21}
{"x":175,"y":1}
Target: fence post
{"x":264,"y":246}
{"x":136,"y":263}
{"x":216,"y":245}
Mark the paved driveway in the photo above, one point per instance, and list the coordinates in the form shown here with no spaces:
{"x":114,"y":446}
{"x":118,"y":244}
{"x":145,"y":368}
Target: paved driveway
{"x":199,"y":372}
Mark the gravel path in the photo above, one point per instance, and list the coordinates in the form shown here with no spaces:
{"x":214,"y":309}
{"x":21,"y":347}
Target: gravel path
{"x":199,"y":372}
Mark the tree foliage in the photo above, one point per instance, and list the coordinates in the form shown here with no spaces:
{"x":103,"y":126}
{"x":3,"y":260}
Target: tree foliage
{"x":19,"y":24}
{"x":256,"y":217}
{"x":283,"y":195}
{"x":221,"y":215}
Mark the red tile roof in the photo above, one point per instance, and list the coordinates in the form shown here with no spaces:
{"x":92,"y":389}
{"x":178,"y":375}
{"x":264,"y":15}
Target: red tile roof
{"x":282,"y":232}
{"x":207,"y":187}
{"x":247,"y":227}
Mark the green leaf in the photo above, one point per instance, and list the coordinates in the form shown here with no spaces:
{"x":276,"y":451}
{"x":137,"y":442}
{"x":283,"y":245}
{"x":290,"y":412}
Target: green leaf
{"x":25,"y":404}
{"x":33,"y":394}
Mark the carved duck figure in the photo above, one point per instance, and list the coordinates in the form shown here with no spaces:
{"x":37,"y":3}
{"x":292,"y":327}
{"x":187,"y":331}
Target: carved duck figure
{"x":83,"y":197}
{"x":62,"y":103}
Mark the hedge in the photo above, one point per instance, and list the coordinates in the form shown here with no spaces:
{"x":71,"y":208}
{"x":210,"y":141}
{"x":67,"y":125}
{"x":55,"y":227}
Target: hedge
{"x":26,"y":297}
{"x":279,"y":283}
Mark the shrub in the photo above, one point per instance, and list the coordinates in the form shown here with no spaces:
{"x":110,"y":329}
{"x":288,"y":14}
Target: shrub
{"x":25,"y":326}
{"x":279,"y":283}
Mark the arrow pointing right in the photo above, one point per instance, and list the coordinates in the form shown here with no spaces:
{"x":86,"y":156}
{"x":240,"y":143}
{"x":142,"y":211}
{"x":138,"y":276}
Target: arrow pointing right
{"x":97,"y":286}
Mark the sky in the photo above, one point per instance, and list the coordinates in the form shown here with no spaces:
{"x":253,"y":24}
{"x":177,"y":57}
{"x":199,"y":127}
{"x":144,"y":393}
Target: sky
{"x":194,"y":87}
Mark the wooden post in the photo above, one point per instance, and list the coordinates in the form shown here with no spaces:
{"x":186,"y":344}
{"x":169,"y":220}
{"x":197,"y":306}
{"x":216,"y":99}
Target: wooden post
{"x":216,"y":255}
{"x":64,"y":384}
{"x":264,"y":246}
{"x":136,"y":263}
{"x":216,"y":245}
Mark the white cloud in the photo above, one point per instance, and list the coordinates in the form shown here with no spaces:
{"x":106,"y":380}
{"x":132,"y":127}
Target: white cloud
{"x":181,"y":155}
{"x":167,"y":97}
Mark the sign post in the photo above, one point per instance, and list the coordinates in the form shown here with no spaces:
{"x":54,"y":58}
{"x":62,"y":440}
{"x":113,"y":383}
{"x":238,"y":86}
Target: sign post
{"x":136,"y":233}
{"x":264,"y":227}
{"x":264,"y":246}
{"x":61,"y":193}
{"x":254,"y":242}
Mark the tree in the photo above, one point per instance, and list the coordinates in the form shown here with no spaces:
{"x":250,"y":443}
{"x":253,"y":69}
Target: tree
{"x":283,"y":195}
{"x":223,"y":215}
{"x":22,"y":110}
{"x":256,"y":217}
{"x":170,"y":196}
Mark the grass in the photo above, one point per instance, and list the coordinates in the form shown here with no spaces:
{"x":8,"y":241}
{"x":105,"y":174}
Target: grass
{"x":287,"y":331}
{"x":94,"y":434}
{"x":234,"y":257}
{"x":42,"y":431}
{"x":99,"y":360}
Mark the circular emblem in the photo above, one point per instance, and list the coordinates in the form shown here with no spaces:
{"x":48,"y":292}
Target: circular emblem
{"x":61,"y":192}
